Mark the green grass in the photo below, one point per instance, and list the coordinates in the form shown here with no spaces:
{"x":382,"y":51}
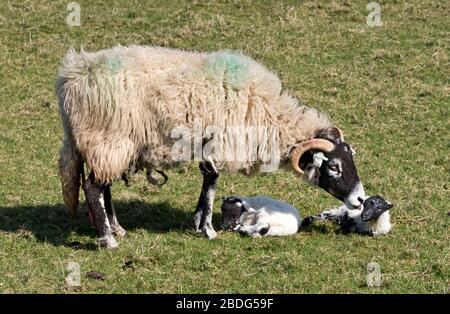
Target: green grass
{"x":386,"y":87}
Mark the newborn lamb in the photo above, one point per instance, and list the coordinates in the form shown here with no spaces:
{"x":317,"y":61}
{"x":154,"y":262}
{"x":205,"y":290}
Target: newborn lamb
{"x":259,"y":216}
{"x":373,"y":219}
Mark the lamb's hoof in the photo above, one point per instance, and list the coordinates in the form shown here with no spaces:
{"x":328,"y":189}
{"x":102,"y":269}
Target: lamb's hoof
{"x":307,"y":221}
{"x":242,"y":231}
{"x":264,"y":229}
{"x":119,"y":231}
{"x":210,"y":233}
{"x":108,"y":242}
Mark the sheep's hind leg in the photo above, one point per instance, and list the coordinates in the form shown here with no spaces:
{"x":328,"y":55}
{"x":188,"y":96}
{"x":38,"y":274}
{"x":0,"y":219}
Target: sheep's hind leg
{"x":96,"y":204}
{"x":203,"y":212}
{"x":111,"y":213}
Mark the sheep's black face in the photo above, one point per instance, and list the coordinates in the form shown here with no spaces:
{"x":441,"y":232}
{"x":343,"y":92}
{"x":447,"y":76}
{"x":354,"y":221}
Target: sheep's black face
{"x":232,"y":209}
{"x":339,"y":177}
{"x":374,"y":206}
{"x":335,"y":172}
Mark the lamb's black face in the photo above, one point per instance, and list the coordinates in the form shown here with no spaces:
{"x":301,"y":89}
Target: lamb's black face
{"x":374,"y":206}
{"x":335,"y":172}
{"x":232,"y":209}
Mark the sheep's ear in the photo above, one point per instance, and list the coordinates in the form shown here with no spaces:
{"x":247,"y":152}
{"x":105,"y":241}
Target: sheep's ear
{"x":318,"y":159}
{"x":332,"y":134}
{"x":389,"y":205}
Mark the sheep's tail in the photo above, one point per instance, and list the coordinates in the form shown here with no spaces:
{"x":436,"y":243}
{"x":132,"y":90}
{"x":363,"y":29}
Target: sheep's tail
{"x":71,"y":174}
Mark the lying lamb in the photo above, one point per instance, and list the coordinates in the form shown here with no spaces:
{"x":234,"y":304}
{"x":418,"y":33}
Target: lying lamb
{"x":373,"y":219}
{"x":259,"y":216}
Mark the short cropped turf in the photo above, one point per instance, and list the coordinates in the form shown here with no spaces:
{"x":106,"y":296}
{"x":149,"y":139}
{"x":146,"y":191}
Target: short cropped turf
{"x":386,"y":87}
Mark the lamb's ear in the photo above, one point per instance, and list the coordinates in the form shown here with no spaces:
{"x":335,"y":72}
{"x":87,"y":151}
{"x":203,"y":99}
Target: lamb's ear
{"x":232,"y":199}
{"x":389,"y":205}
{"x":247,"y":207}
{"x":332,"y":134}
{"x":250,"y":209}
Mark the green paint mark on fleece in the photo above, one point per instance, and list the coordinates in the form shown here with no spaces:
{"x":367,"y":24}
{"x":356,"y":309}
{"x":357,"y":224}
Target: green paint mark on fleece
{"x":229,"y":67}
{"x":113,"y":63}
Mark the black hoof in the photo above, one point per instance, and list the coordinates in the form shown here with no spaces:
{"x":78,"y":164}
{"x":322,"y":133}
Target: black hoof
{"x":307,"y":221}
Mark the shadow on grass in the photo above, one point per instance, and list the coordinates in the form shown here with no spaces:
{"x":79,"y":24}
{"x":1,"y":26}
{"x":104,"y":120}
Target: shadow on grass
{"x":313,"y":228}
{"x":51,"y":223}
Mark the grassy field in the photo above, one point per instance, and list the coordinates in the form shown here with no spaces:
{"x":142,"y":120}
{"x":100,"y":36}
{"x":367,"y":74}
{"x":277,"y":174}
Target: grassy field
{"x":387,"y":87}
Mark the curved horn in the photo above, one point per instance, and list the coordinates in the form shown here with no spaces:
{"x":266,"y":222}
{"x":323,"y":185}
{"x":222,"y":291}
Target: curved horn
{"x":317,"y":144}
{"x":340,"y":133}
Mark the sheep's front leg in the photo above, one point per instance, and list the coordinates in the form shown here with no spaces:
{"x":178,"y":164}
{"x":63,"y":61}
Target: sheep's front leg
{"x":199,"y":211}
{"x":203,"y":212}
{"x":96,"y":204}
{"x":111,"y":213}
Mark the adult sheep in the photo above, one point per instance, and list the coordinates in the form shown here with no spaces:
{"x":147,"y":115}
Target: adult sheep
{"x":119,"y":108}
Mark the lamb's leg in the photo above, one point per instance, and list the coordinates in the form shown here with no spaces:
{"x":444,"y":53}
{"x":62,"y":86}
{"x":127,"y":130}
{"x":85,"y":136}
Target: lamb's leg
{"x":203,"y":212}
{"x":111,"y":213}
{"x":333,"y":215}
{"x":96,"y":204}
{"x":254,"y":231}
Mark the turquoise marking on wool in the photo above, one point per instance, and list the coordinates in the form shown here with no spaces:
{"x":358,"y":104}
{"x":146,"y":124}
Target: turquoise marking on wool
{"x":229,"y":67}
{"x":113,"y":63}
